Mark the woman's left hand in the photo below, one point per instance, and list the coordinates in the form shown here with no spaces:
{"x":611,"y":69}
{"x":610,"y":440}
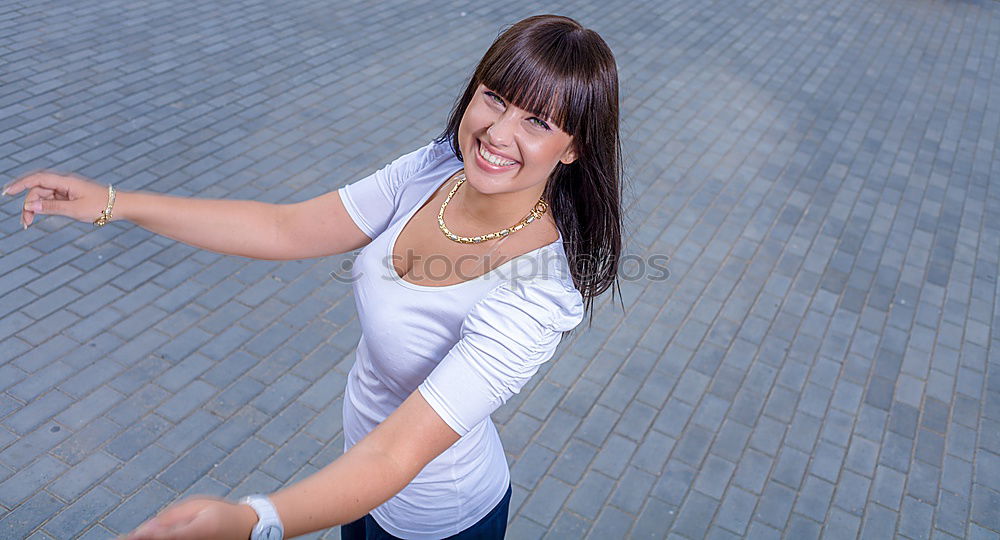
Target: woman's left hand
{"x":198,"y":518}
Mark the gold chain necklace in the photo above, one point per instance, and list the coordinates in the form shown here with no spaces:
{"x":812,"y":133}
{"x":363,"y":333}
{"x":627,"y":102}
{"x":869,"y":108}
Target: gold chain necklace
{"x":536,"y":213}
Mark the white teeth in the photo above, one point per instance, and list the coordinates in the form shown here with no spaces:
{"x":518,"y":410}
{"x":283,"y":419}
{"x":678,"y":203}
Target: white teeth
{"x":494,"y":159}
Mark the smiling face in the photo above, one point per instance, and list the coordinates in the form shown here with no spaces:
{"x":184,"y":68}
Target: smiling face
{"x":507,"y":149}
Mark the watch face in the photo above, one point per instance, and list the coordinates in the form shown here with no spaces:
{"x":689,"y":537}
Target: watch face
{"x":271,"y":533}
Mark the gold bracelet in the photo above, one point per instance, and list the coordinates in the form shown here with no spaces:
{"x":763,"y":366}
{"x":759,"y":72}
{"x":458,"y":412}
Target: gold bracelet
{"x":105,"y":216}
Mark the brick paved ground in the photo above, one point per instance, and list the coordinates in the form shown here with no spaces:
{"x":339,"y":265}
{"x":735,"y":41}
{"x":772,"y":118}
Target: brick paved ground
{"x":823,"y":176}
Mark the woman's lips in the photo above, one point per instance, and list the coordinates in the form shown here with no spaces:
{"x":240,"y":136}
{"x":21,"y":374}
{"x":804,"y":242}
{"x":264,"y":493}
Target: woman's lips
{"x":490,"y":167}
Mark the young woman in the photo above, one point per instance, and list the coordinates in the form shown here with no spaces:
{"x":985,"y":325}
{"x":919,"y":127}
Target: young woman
{"x":480,"y":250}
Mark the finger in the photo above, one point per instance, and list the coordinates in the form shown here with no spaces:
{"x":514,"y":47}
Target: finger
{"x":170,"y":523}
{"x":158,"y":528}
{"x":147,"y":531}
{"x":48,"y":206}
{"x":27,"y":216}
{"x":38,"y":193}
{"x":44,"y":179}
{"x":17,"y":185}
{"x":28,"y":208}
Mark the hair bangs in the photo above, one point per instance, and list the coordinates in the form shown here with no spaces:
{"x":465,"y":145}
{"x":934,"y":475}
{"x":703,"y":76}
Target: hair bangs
{"x":538,"y":81}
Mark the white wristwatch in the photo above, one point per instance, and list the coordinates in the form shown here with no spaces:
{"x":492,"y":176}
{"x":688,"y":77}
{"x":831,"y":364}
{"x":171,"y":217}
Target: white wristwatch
{"x":268,"y":525}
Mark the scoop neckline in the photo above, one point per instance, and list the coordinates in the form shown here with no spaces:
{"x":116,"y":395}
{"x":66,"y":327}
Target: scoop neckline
{"x":395,"y":277}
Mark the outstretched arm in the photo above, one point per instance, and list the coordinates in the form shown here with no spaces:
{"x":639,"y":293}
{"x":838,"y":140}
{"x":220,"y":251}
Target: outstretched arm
{"x":313,"y":228}
{"x":370,"y":473}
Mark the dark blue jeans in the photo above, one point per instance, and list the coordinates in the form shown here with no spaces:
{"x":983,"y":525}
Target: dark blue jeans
{"x":492,"y":527}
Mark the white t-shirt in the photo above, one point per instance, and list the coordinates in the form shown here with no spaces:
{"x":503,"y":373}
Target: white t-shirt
{"x":468,"y":347}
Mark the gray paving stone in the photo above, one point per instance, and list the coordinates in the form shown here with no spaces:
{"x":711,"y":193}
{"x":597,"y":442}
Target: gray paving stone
{"x":186,"y":400}
{"x":790,"y":467}
{"x":544,"y":503}
{"x":292,"y":457}
{"x":532,"y":465}
{"x":903,"y":420}
{"x":131,"y":441}
{"x":192,"y":466}
{"x":984,"y":507}
{"x":714,"y":476}
{"x":238,"y":428}
{"x":597,"y":425}
{"x":614,"y":456}
{"x":887,"y":488}
{"x":79,"y":479}
{"x":188,"y":431}
{"x":139,"y":470}
{"x":24,"y":482}
{"x":653,"y":452}
{"x":731,"y":440}
{"x":674,"y":483}
{"x":736,"y":510}
{"x":840,"y":524}
{"x":573,"y":461}
{"x":237,"y":395}
{"x":327,"y":425}
{"x":138,"y":508}
{"x":525,"y":528}
{"x":77,"y":516}
{"x":695,"y":515}
{"x":100,"y":371}
{"x":636,"y":420}
{"x":762,"y":531}
{"x":655,"y":519}
{"x":847,"y":493}
{"x":896,"y":452}
{"x":861,"y":456}
{"x":752,"y":471}
{"x":802,"y":432}
{"x":589,"y":496}
{"x":775,"y":505}
{"x":673,"y":417}
{"x":137,"y":405}
{"x":977,"y":532}
{"x":29,"y":515}
{"x":879,"y":522}
{"x":41,"y":381}
{"x":558,"y":429}
{"x":827,"y":461}
{"x":710,"y":412}
{"x":767,"y":435}
{"x":915,"y":518}
{"x":923,"y":482}
{"x":568,"y":526}
{"x":632,"y":490}
{"x":25,"y":449}
{"x":543,"y":400}
{"x":285,"y":424}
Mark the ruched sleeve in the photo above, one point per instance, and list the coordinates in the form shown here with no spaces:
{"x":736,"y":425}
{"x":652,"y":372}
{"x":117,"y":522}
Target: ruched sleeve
{"x":373,"y":200}
{"x":503,"y":341}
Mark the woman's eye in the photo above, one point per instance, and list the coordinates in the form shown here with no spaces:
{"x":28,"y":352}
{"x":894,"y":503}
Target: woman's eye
{"x":538,"y":122}
{"x":494,"y":98}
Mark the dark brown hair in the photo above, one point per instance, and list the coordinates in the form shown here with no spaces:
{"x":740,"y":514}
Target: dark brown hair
{"x":555,"y":68}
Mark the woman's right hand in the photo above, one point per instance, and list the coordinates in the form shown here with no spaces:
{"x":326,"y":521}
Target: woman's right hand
{"x":59,"y":194}
{"x":315,"y":228}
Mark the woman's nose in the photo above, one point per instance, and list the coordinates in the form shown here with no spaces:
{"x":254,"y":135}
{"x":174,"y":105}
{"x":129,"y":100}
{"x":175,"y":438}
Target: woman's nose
{"x":501,"y":132}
